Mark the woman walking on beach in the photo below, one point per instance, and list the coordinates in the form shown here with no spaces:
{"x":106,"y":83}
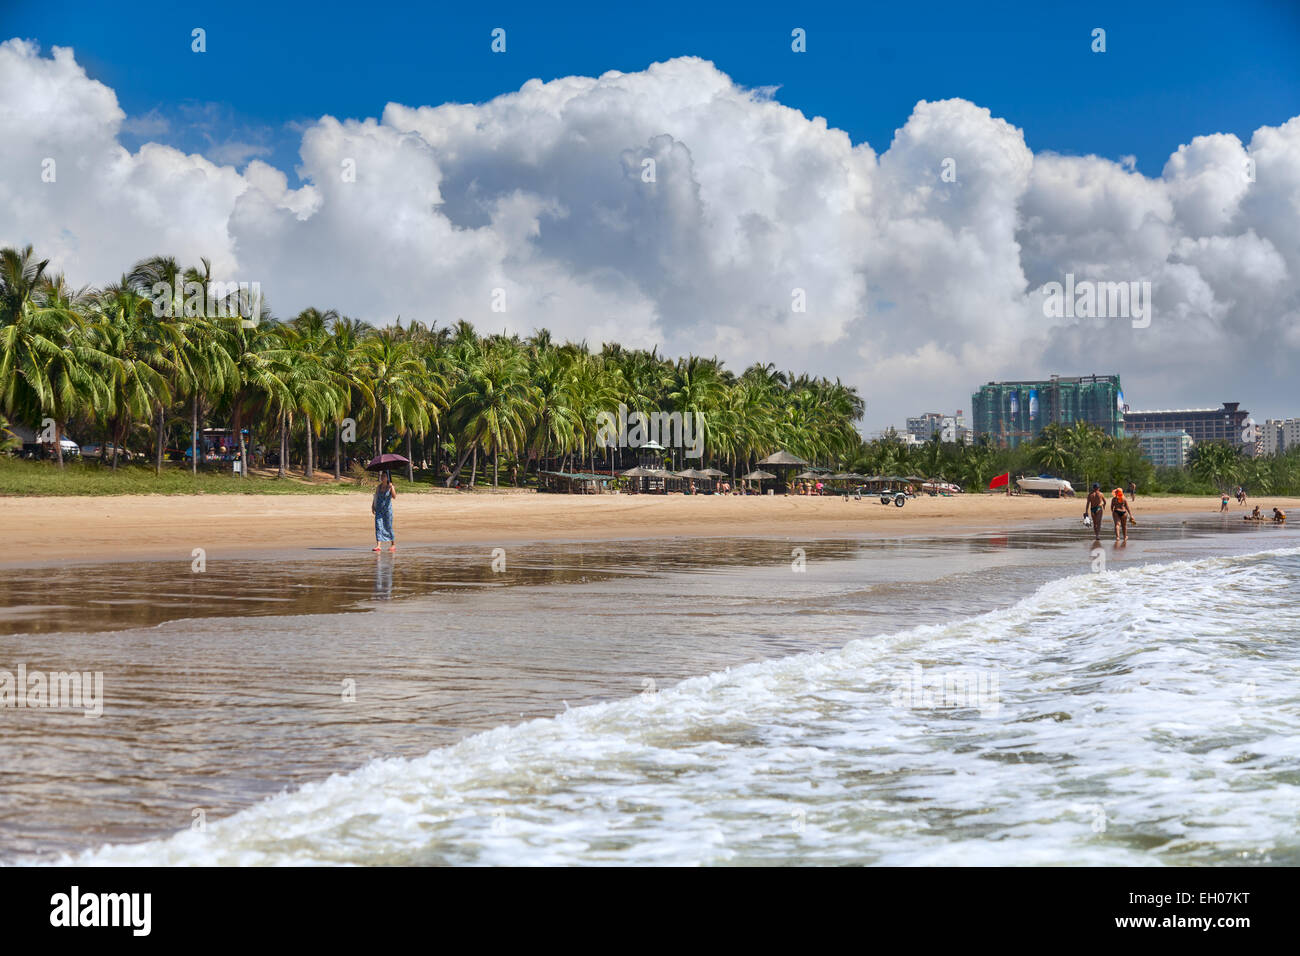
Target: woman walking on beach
{"x":1119,"y":510}
{"x":382,"y":508}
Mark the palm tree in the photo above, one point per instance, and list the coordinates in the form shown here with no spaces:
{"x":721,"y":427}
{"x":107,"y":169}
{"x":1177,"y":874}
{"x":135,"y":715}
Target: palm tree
{"x":493,"y":404}
{"x":343,"y":358}
{"x":47,"y":365}
{"x":8,"y":440}
{"x":120,"y":329}
{"x":1216,"y":463}
{"x":697,"y":390}
{"x":399,"y":381}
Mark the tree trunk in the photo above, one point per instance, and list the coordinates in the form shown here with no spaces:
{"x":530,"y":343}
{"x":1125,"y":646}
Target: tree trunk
{"x":58,"y":442}
{"x":194,"y":438}
{"x":473,"y":469}
{"x":239,"y":441}
{"x":455,"y":472}
{"x":495,"y":461}
{"x":338,"y":445}
{"x":158,"y":456}
{"x":309,"y":466}
{"x":410,"y":465}
{"x":283,"y":449}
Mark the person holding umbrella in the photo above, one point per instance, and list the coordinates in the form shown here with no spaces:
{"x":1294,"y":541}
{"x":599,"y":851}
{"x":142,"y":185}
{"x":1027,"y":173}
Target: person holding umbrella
{"x":382,"y":505}
{"x":382,"y":508}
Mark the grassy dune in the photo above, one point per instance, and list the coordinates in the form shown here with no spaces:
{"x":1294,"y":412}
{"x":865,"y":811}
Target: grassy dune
{"x":46,"y":479}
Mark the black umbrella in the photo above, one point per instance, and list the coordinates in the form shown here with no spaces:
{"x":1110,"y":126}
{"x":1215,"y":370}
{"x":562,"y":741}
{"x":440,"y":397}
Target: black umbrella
{"x":388,"y":462}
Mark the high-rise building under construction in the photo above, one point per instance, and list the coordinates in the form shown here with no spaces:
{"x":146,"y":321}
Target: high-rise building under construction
{"x":1015,"y":412}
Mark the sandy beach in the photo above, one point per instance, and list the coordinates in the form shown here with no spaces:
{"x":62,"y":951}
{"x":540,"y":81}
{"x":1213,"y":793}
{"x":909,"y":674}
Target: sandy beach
{"x":144,"y":526}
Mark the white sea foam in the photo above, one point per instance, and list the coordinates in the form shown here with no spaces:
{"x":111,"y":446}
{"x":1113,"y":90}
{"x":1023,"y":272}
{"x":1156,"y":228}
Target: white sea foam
{"x":1145,"y":716}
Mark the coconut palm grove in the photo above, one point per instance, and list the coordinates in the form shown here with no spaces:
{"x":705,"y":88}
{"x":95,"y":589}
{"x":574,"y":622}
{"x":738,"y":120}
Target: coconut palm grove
{"x":142,"y":367}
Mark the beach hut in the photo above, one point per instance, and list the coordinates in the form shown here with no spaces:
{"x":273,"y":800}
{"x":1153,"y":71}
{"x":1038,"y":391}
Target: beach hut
{"x":783,"y":459}
{"x":650,"y":455}
{"x":573,"y":483}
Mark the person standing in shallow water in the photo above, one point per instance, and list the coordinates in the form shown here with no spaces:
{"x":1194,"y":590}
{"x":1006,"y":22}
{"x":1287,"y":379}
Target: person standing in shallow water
{"x":382,"y":508}
{"x":1095,"y":508}
{"x":1119,"y":510}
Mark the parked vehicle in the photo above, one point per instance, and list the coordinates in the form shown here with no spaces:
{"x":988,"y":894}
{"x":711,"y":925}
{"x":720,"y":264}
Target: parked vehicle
{"x":95,"y":450}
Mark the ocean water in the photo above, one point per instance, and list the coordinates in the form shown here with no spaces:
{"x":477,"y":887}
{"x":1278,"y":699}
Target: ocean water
{"x":1143,"y":714}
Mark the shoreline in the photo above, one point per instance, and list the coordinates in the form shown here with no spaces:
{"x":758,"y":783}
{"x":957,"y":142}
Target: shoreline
{"x":144,"y":527}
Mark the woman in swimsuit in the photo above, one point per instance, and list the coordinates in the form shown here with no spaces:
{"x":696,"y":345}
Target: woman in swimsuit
{"x":1119,"y":511}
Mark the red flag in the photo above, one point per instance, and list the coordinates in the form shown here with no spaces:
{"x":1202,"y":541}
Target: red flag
{"x":1000,"y":480}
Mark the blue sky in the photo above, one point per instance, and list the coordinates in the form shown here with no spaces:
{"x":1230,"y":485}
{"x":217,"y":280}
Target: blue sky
{"x":1170,"y":71}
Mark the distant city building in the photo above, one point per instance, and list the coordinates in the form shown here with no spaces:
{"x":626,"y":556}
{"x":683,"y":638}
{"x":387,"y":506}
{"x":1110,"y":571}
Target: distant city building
{"x":1278,"y":434}
{"x":952,"y":427}
{"x":1015,"y":412}
{"x":1226,"y":424}
{"x":1166,"y":449}
{"x":924,"y":426}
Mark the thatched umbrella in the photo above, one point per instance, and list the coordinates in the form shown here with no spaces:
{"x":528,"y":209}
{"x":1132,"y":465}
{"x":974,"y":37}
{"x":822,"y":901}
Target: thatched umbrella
{"x":758,"y":475}
{"x":782,"y":458}
{"x":640,"y":471}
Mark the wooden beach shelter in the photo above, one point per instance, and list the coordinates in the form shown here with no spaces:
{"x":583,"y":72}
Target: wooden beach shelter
{"x":783,"y":459}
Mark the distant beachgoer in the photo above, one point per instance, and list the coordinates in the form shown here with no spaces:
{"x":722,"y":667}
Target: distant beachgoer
{"x":1095,"y":508}
{"x":1119,"y":510}
{"x":1279,"y":516}
{"x":1132,"y":490}
{"x":819,"y":487}
{"x":1241,"y":496}
{"x":382,"y":508}
{"x":1255,"y":515}
{"x":1223,"y":505}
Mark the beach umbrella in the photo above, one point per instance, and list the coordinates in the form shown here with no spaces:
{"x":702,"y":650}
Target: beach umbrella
{"x":388,"y":462}
{"x":807,"y":475}
{"x":757,"y":476}
{"x":713,"y":473}
{"x":782,"y":458}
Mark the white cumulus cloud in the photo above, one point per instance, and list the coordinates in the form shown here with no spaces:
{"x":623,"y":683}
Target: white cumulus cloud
{"x":673,"y":207}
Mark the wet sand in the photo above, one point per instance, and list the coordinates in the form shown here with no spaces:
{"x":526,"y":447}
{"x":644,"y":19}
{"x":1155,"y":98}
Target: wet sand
{"x":222,"y":688}
{"x":45,"y":530}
